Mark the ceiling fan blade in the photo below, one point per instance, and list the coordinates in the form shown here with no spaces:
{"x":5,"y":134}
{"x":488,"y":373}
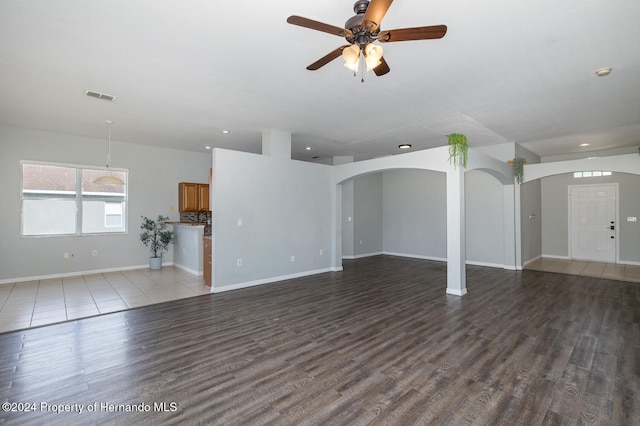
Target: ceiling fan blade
{"x":318,"y":26}
{"x":382,"y":69}
{"x":374,"y":14}
{"x":418,"y":33}
{"x":327,"y":58}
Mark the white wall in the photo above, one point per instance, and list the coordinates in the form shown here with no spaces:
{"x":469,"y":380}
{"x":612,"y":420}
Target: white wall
{"x":286,"y":209}
{"x":154,"y":174}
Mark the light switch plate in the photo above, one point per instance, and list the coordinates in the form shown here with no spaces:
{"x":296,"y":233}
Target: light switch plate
{"x":632,"y":219}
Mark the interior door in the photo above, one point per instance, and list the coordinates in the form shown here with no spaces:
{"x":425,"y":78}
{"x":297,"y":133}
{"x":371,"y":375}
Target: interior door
{"x":592,"y":228}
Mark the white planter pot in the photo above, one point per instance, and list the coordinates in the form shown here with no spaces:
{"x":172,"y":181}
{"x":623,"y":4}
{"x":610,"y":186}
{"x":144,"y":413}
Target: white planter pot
{"x":155,"y":262}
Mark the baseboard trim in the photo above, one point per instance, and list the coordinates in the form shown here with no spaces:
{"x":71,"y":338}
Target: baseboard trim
{"x":361,"y":256}
{"x":189,"y":270}
{"x":551,"y":256}
{"x":76,"y":273}
{"x":415,"y":256}
{"x":246,"y":284}
{"x":456,"y":292}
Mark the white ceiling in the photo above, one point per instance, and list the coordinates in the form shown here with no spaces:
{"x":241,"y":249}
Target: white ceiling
{"x":182,"y":71}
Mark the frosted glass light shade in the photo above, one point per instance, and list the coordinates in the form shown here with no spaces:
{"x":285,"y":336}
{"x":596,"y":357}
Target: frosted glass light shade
{"x":108,"y":180}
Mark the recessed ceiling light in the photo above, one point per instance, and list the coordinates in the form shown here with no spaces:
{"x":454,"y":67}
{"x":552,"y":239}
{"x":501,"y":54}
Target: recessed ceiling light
{"x":207,"y":147}
{"x":308,"y":148}
{"x":604,"y":71}
{"x":226,"y":132}
{"x":584,"y":144}
{"x":404,"y":146}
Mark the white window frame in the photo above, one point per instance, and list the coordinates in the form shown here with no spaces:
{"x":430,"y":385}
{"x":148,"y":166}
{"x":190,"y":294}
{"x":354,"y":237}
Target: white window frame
{"x":79,"y":198}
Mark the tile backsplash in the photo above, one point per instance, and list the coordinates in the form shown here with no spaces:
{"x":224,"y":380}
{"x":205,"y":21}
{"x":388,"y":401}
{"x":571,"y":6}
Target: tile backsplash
{"x":195,"y":217}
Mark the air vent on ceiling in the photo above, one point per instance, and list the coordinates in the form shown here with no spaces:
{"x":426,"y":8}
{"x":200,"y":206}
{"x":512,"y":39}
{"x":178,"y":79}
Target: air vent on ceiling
{"x":100,"y":95}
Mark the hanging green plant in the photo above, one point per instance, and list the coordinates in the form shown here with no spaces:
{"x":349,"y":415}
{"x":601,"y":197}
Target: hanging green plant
{"x":458,"y":149}
{"x":518,"y":169}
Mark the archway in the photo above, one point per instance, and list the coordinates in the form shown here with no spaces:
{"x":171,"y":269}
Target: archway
{"x":436,"y":159}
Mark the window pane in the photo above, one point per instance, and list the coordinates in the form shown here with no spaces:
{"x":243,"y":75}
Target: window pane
{"x":91,"y":188}
{"x":48,"y":217}
{"x":39,"y":178}
{"x":102,"y":216}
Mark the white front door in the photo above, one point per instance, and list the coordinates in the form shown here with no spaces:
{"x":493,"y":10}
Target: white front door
{"x":592,"y":217}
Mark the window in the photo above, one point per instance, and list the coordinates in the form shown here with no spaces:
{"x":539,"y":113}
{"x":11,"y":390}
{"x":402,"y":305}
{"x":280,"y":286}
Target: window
{"x":596,"y":173}
{"x":63,"y":200}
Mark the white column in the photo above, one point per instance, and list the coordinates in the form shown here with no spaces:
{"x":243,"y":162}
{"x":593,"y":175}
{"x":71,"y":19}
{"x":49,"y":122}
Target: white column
{"x":456,"y":242}
{"x":276,"y":143}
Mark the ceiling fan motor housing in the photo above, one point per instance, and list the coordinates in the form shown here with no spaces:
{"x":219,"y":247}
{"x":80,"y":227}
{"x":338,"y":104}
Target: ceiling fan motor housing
{"x":361,"y":36}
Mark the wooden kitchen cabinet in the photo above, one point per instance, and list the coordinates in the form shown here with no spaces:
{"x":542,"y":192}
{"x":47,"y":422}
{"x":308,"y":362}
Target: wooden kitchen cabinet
{"x":203,"y":197}
{"x":193,"y":197}
{"x":206,"y":245}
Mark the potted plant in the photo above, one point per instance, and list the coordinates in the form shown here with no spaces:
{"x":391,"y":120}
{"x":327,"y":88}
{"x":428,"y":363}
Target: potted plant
{"x":518,"y":168}
{"x":157,"y":237}
{"x":458,"y":148}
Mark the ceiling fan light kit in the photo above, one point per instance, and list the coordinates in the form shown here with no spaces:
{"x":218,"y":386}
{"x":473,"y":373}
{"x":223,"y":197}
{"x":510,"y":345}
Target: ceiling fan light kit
{"x":361,"y":31}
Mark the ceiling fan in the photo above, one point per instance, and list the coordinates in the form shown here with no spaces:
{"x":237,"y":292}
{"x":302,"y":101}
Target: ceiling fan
{"x":361,"y":31}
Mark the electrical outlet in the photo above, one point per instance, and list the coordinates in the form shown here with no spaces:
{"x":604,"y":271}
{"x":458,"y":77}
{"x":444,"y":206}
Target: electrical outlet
{"x":66,"y":254}
{"x":632,"y":219}
{"x":94,"y":252}
{"x":293,"y":258}
{"x":239,"y":223}
{"x":239,"y":262}
{"x":321,"y":252}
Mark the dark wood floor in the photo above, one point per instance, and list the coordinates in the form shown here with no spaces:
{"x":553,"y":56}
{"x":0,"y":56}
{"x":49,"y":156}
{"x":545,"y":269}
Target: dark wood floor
{"x":379,"y":343}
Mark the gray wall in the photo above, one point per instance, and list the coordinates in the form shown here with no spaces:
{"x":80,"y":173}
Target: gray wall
{"x":286,"y":210}
{"x":530,"y":220}
{"x":555,"y":213}
{"x":413,"y":218}
{"x":154,"y":174}
{"x":484,"y":215}
{"x":367,"y":214}
{"x":347,"y":220}
{"x":415,"y":213}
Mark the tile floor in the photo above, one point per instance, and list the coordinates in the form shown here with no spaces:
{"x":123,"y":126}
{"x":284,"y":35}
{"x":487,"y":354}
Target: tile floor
{"x":611,"y":271}
{"x":31,"y":304}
